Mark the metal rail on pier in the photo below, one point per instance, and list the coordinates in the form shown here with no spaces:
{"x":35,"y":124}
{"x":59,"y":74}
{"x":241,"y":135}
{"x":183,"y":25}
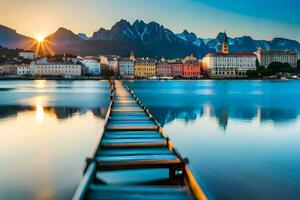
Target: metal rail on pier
{"x":133,"y":140}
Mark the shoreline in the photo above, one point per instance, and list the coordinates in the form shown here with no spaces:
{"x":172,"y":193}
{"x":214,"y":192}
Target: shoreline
{"x":105,"y":79}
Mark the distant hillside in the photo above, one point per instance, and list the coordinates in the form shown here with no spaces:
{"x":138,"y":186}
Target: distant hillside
{"x":11,"y":39}
{"x":145,"y":39}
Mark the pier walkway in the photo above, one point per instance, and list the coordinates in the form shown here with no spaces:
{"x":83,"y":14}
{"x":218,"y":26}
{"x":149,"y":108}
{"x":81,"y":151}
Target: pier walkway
{"x":134,"y":152}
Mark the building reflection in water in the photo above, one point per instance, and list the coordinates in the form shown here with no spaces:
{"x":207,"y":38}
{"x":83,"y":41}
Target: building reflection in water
{"x":61,"y":113}
{"x":166,"y":115}
{"x":223,"y":115}
{"x":226,"y":101}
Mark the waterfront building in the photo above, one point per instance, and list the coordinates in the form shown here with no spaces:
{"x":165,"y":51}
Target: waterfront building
{"x":126,"y":66}
{"x":228,"y":65}
{"x":266,"y":57}
{"x":191,"y":67}
{"x":92,"y":65}
{"x":30,"y":55}
{"x":1,"y":69}
{"x":145,"y":68}
{"x":231,"y":65}
{"x":164,"y":69}
{"x":23,"y":70}
{"x":112,"y":61}
{"x":43,"y":67}
{"x":9,"y":69}
{"x":177,"y":68}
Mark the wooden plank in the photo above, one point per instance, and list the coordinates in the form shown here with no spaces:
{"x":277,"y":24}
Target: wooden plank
{"x":135,"y":151}
{"x":127,"y":110}
{"x":112,"y":196}
{"x":126,"y":163}
{"x":127,"y":107}
{"x":138,"y":192}
{"x":126,"y":104}
{"x":124,"y":114}
{"x":134,"y":140}
{"x":136,"y":143}
{"x":136,"y":134}
{"x":136,"y":158}
{"x":131,"y":128}
{"x":131,"y":133}
{"x":125,"y":101}
{"x":131,"y":123}
{"x":130,"y":118}
{"x":137,"y":188}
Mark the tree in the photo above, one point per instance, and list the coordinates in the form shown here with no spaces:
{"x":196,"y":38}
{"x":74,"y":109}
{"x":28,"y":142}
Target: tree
{"x":257,"y":63}
{"x":276,"y":67}
{"x":259,"y":68}
{"x":252,"y":73}
{"x":298,"y":66}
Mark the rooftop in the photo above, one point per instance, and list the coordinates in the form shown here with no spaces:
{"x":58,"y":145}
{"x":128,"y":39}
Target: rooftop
{"x":232,"y":54}
{"x":125,"y":60}
{"x":54,"y":63}
{"x":291,"y":52}
{"x":26,"y":51}
{"x":145,"y":60}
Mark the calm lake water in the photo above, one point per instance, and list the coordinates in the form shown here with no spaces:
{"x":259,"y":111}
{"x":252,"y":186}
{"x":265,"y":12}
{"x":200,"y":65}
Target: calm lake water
{"x":47,"y":129}
{"x":242,"y":138}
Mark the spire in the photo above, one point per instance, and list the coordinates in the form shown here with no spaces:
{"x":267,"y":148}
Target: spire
{"x":225,"y":38}
{"x":225,"y":44}
{"x":132,"y":56}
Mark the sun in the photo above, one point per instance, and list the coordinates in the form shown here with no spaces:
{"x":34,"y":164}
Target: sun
{"x":40,"y":38}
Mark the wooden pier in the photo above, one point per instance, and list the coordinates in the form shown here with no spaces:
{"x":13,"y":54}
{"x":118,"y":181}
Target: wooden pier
{"x":132,"y":141}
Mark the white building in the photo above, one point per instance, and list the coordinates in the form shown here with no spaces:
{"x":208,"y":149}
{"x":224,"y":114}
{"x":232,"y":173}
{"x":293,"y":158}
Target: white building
{"x":27,"y":55}
{"x":230,"y":65}
{"x":23,"y":70}
{"x":92,"y":64}
{"x":111,"y":61}
{"x":266,"y":57}
{"x":44,"y":68}
{"x":126,"y":66}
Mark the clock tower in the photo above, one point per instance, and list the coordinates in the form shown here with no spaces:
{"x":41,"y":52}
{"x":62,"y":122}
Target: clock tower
{"x":225,"y":49}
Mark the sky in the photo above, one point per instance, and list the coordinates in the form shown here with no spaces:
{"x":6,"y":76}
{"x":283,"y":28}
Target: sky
{"x":261,"y":19}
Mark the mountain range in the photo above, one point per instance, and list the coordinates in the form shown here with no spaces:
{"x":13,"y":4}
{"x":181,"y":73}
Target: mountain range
{"x":145,"y":39}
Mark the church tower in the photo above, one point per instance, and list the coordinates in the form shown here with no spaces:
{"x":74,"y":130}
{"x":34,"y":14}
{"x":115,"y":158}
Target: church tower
{"x":225,"y":49}
{"x":132,"y":56}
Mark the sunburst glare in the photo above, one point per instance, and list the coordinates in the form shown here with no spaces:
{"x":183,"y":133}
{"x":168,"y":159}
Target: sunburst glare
{"x":40,"y":38}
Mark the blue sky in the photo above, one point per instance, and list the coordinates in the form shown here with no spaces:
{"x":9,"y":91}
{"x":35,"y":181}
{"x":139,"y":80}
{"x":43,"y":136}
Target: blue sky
{"x":259,"y":19}
{"x":282,"y":10}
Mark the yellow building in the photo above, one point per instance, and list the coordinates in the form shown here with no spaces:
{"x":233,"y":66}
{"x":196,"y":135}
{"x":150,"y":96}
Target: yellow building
{"x":145,"y":68}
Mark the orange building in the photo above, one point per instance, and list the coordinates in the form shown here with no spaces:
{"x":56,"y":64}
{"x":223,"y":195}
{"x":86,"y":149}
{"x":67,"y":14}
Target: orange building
{"x":191,"y":67}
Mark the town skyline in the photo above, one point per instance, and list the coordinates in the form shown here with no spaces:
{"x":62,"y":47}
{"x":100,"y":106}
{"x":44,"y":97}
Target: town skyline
{"x":200,"y":17}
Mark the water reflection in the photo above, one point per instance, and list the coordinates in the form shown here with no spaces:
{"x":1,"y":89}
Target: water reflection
{"x":39,"y":83}
{"x":223,"y":114}
{"x":275,"y":102}
{"x":41,"y":146}
{"x":39,"y":114}
{"x":60,"y":113}
{"x":241,"y":136}
{"x":47,"y":129}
